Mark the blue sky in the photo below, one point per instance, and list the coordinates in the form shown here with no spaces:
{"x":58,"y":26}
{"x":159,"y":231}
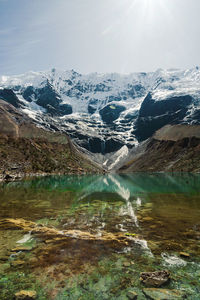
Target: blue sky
{"x":98,"y":35}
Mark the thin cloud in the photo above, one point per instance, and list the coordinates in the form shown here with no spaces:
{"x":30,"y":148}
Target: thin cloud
{"x":6,"y":31}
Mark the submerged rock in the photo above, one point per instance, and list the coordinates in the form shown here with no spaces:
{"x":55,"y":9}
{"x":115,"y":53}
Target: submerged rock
{"x":11,"y":177}
{"x":21,"y":248}
{"x":33,"y":260}
{"x":50,"y":234}
{"x":148,"y":219}
{"x":184,"y":254}
{"x":126,"y":264}
{"x":173,"y":260}
{"x":8,"y":177}
{"x":4,"y":258}
{"x":25,"y":295}
{"x":132,"y":295}
{"x":17,"y":263}
{"x":163,"y":294}
{"x":155,"y":279}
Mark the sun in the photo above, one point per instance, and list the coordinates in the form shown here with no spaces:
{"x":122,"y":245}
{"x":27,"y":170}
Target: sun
{"x":137,"y":17}
{"x":150,"y":6}
{"x":148,"y":10}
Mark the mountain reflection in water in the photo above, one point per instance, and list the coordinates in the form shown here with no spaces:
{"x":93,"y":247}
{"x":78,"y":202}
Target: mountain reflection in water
{"x":142,"y":220}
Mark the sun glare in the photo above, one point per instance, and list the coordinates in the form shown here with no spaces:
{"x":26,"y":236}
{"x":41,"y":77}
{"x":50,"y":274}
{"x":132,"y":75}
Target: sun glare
{"x":148,"y":10}
{"x":150,"y":7}
{"x":138,"y":20}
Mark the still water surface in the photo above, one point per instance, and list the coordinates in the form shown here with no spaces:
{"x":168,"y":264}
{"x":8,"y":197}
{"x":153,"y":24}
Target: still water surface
{"x":114,"y":227}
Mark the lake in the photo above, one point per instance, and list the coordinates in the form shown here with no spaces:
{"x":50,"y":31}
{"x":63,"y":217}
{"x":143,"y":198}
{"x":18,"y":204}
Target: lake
{"x":90,"y":237}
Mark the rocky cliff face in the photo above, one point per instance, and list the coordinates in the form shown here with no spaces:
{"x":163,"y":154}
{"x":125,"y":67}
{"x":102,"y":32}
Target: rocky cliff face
{"x":104,"y":112}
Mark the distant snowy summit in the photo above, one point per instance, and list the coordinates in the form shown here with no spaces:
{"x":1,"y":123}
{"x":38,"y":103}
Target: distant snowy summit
{"x":104,"y":112}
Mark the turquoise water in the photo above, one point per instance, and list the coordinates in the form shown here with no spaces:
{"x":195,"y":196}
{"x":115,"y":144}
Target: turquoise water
{"x":133,"y":223}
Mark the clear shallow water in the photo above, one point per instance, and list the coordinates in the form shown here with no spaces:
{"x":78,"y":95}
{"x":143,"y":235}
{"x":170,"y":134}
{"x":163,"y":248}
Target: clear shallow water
{"x":158,"y":214}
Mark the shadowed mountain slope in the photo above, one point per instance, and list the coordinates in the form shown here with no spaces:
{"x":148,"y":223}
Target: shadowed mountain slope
{"x":26,"y":148}
{"x":105,"y":112}
{"x":172,"y":148}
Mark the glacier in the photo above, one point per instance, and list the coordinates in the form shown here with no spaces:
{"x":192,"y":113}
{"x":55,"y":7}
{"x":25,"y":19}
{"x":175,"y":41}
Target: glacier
{"x":104,"y":113}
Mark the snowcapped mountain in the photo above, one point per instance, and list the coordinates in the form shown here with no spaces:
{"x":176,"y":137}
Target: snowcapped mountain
{"x":104,"y":112}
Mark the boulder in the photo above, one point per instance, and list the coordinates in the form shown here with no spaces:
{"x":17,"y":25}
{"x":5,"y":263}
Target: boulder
{"x":184,"y":254}
{"x":155,"y":279}
{"x":8,"y":177}
{"x":132,"y":295}
{"x":25,"y":295}
{"x":126,"y":264}
{"x":17,"y":263}
{"x":21,"y":248}
{"x":163,"y":294}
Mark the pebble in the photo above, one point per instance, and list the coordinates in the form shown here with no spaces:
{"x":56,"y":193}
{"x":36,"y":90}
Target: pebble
{"x":17,"y":263}
{"x":184,"y":254}
{"x":132,"y":295}
{"x":25,"y":295}
{"x":147,"y":219}
{"x":21,"y":248}
{"x":163,"y":294}
{"x":126,"y":264}
{"x":155,"y":279}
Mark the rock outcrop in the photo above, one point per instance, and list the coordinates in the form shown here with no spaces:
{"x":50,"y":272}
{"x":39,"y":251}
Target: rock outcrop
{"x":155,"y":279}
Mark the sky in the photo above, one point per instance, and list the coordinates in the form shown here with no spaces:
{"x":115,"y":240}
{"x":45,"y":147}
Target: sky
{"x":102,"y":36}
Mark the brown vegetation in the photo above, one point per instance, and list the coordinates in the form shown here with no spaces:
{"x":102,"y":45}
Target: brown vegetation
{"x":173,"y":148}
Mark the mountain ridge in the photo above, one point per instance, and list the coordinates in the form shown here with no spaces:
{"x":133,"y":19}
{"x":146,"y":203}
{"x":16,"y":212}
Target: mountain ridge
{"x":103,"y":113}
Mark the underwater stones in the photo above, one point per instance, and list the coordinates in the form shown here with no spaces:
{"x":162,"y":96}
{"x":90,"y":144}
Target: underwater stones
{"x":171,"y":246}
{"x":145,"y":211}
{"x":155,"y":279}
{"x":17,"y":263}
{"x":152,"y":226}
{"x":163,"y":294}
{"x":33,"y":260}
{"x":21,"y":248}
{"x":49,"y":241}
{"x":25,"y":295}
{"x":147,"y":219}
{"x":132,"y":295}
{"x":184,"y":254}
{"x":8,"y":177}
{"x":49,"y":234}
{"x":189,"y":234}
{"x":173,"y":260}
{"x":4,"y":258}
{"x":126,"y":264}
{"x":154,"y":245}
{"x":148,"y":205}
{"x":16,"y":224}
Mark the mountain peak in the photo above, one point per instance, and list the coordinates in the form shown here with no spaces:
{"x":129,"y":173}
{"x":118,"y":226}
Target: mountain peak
{"x":103,"y":112}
